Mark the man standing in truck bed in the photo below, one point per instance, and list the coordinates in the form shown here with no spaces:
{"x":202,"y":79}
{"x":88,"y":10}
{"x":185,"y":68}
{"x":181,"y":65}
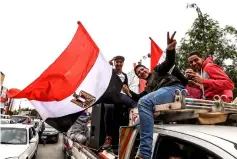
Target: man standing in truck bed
{"x":125,"y":100}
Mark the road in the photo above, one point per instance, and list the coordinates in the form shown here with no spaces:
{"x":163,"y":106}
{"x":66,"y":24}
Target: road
{"x":51,"y":151}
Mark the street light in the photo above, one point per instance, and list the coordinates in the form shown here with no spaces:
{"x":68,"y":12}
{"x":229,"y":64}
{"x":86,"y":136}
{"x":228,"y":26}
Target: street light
{"x":143,"y":58}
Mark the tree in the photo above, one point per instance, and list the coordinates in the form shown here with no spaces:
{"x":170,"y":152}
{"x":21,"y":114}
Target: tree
{"x":207,"y":37}
{"x":34,"y":112}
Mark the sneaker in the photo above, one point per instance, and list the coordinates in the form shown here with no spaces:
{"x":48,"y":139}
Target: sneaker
{"x":108,"y":141}
{"x":138,"y":157}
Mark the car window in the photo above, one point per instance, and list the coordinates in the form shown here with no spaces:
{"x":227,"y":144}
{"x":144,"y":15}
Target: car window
{"x":19,"y":119}
{"x":13,"y":136}
{"x":167,"y":147}
{"x":30,"y":134}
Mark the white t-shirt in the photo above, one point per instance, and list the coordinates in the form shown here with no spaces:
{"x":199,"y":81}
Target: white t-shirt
{"x":122,"y":77}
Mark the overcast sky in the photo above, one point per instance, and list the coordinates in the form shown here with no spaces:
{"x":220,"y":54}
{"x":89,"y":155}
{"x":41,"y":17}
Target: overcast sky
{"x":34,"y":33}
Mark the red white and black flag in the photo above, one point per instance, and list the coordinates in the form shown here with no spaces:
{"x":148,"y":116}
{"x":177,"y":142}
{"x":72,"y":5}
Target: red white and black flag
{"x":79,"y":78}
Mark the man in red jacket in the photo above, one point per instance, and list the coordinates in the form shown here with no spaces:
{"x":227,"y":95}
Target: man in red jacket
{"x":210,"y":76}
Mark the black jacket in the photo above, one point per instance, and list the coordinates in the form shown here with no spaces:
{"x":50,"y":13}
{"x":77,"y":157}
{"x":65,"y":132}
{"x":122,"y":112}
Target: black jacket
{"x":161,"y":78}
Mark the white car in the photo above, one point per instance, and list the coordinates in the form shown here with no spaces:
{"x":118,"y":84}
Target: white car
{"x":18,"y":141}
{"x":196,"y":141}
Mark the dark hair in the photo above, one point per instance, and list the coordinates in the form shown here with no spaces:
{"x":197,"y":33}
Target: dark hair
{"x":119,"y":58}
{"x":195,"y":53}
{"x":139,"y":65}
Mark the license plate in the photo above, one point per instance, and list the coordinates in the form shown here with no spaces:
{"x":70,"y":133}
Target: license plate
{"x":44,"y":137}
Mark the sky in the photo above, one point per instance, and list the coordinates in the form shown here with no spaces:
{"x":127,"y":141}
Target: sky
{"x":34,"y":33}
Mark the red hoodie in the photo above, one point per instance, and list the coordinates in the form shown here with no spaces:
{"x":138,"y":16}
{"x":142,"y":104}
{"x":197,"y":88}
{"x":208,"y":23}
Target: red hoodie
{"x":216,"y":81}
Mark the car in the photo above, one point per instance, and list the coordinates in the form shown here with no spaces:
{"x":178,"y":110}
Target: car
{"x":50,"y":134}
{"x":196,"y":141}
{"x":6,"y":121}
{"x":3,"y":116}
{"x":18,"y":141}
{"x":21,"y":119}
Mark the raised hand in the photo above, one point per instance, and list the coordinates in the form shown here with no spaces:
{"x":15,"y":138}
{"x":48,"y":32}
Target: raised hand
{"x":111,"y":61}
{"x":171,"y":42}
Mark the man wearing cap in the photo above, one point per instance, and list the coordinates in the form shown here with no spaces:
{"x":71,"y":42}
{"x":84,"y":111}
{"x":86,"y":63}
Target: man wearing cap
{"x":117,"y":62}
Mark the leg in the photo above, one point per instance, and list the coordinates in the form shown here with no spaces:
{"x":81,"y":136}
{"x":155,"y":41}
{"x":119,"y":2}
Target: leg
{"x":108,"y":120}
{"x":127,"y":101}
{"x":145,"y":109}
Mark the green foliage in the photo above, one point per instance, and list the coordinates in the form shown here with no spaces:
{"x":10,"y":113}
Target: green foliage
{"x":207,"y":37}
{"x":34,"y":112}
{"x":14,"y":112}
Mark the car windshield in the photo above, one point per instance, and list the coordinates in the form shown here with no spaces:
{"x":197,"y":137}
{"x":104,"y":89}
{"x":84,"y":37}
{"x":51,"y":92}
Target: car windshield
{"x":13,"y":136}
{"x":47,"y":126}
{"x":18,"y":119}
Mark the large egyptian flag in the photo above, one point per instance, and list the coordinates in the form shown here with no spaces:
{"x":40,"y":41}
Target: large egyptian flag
{"x":79,"y":78}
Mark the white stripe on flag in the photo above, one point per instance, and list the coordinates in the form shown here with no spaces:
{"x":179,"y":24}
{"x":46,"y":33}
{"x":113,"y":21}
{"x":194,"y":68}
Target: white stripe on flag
{"x":95,"y":83}
{"x":162,"y":58}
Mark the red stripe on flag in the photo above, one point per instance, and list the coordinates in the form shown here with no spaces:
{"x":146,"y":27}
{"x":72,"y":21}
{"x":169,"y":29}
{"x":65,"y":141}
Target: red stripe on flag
{"x":156,"y":53}
{"x":65,"y":75}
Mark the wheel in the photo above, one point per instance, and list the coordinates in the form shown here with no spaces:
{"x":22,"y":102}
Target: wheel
{"x":56,"y":141}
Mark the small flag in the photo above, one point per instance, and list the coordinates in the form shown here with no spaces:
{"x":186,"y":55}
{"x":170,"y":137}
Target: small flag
{"x":79,"y":78}
{"x":157,"y":55}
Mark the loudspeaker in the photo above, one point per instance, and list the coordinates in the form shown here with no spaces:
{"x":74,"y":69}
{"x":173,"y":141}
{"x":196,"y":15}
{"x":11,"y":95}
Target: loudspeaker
{"x":97,"y":136}
{"x":120,"y":118}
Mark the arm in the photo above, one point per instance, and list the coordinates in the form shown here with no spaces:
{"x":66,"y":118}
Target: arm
{"x":218,"y":78}
{"x":111,"y":61}
{"x":165,"y":66}
{"x":136,"y":96}
{"x":169,"y":62}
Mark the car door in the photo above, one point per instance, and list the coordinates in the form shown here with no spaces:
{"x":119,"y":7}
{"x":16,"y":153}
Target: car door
{"x":31,"y":145}
{"x":170,"y":144}
{"x":36,"y":137}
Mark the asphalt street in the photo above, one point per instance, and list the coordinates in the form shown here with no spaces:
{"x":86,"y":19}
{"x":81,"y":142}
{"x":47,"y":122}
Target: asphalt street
{"x":51,"y":150}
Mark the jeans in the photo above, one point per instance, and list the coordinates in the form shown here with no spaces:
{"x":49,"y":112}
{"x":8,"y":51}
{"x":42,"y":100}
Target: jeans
{"x":146,"y":109}
{"x":127,"y":101}
{"x":108,"y":119}
{"x":109,"y":110}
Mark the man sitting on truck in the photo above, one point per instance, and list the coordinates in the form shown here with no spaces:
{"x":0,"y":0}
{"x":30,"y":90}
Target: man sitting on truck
{"x":160,"y":89}
{"x":210,"y":76}
{"x":125,"y":100}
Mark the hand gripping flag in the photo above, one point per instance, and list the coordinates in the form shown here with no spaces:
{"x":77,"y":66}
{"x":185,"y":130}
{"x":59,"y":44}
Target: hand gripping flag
{"x":78,"y":78}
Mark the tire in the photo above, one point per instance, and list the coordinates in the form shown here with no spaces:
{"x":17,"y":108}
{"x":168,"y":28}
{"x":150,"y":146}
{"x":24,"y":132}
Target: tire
{"x":57,"y":139}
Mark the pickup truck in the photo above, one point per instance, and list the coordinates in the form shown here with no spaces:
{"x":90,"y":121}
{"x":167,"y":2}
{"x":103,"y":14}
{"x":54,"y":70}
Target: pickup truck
{"x":187,"y":126}
{"x":194,"y":141}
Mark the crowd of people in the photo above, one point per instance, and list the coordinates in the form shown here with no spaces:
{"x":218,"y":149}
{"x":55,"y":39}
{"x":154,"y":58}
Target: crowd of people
{"x":204,"y":79}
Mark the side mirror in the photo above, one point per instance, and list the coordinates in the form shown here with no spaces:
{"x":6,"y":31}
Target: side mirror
{"x":33,"y":140}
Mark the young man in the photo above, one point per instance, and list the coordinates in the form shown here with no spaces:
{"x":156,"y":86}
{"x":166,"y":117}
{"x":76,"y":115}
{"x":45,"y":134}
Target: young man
{"x":125,"y":100}
{"x":210,"y":76}
{"x":160,"y":89}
